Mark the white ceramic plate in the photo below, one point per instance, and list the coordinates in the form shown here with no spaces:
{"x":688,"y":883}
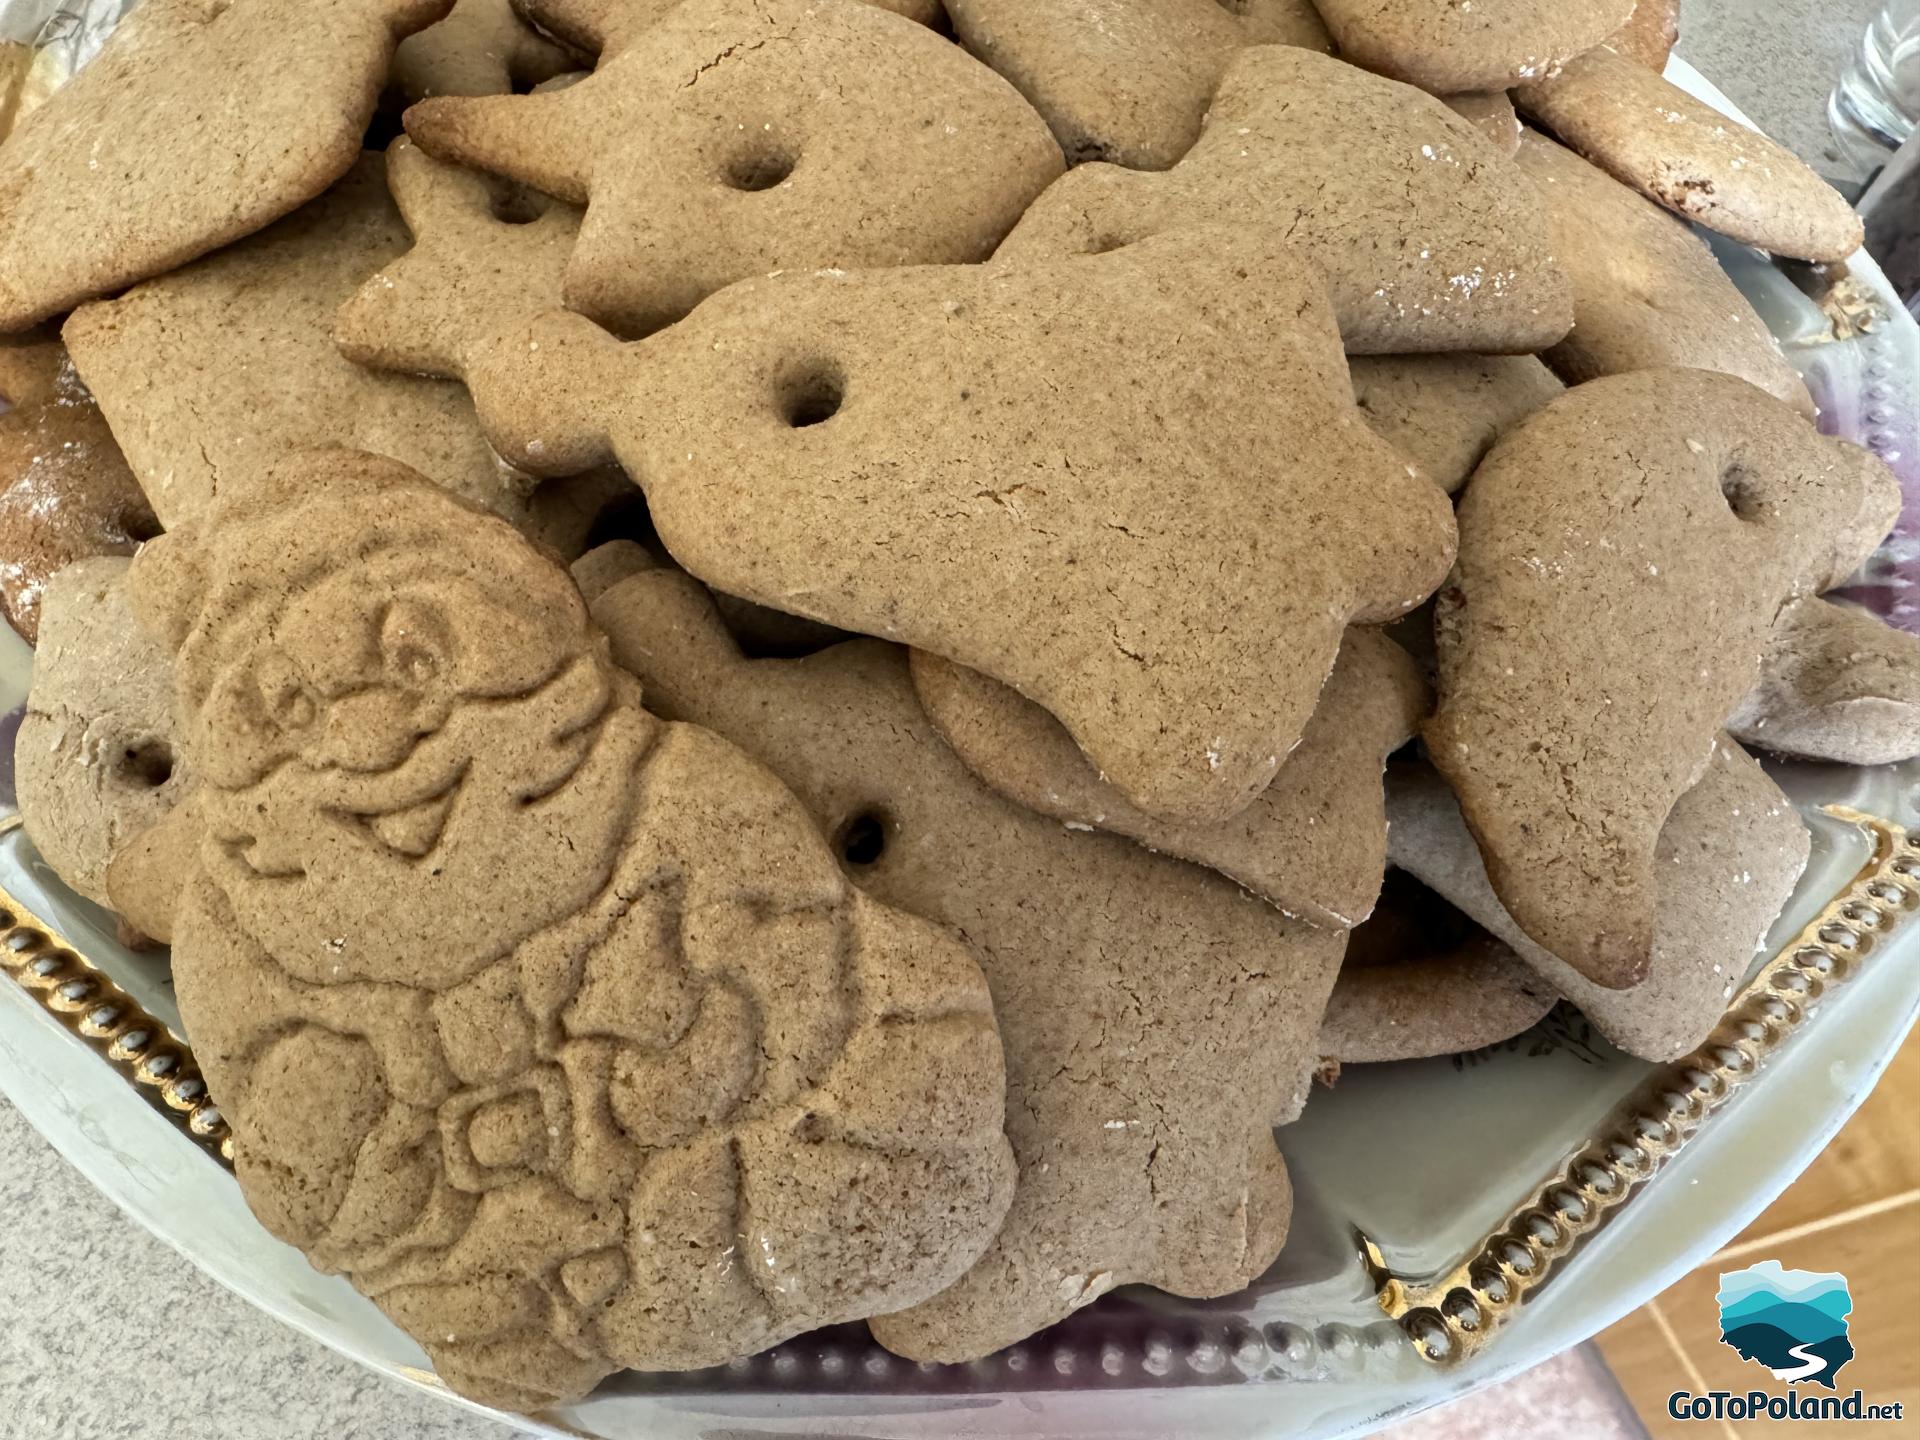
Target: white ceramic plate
{"x":1424,"y":1160}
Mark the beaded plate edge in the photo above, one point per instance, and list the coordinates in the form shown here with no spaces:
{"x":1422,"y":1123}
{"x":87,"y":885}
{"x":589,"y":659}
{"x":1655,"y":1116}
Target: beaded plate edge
{"x":1453,"y":1317}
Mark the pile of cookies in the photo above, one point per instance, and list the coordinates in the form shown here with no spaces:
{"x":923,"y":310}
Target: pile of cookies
{"x":779,"y":649}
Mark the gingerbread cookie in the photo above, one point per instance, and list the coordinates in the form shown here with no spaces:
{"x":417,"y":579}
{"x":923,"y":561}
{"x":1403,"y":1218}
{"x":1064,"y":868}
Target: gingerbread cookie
{"x":597,"y":25}
{"x":1647,"y":291}
{"x":256,"y":107}
{"x":30,"y":366}
{"x":1492,"y":111}
{"x":1185,"y":660}
{"x":1836,"y":683}
{"x":475,"y":256}
{"x":736,"y":137}
{"x":211,"y":374}
{"x":761,"y":634}
{"x":1157,"y":1021}
{"x":1726,"y":863}
{"x":1420,"y":979}
{"x":67,"y":490}
{"x":1449,"y":47}
{"x":1650,"y":33}
{"x":567,"y":515}
{"x":572,"y":1047}
{"x":1126,"y":81}
{"x":1649,"y":133}
{"x":1085,"y":586}
{"x":1689,"y":509}
{"x":481,"y":48}
{"x":605,"y":566}
{"x":1303,"y":145}
{"x":97,"y":759}
{"x":1443,"y":412}
{"x":1314,"y":842}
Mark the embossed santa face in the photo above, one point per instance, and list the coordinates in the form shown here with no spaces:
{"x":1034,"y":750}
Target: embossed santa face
{"x":406,"y":712}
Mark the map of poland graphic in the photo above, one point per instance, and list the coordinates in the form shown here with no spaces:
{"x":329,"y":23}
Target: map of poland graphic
{"x":1794,"y":1322}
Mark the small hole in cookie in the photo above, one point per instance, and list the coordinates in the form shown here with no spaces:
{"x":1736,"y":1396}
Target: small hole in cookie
{"x":140,"y":526}
{"x":758,"y":169}
{"x":149,"y":765}
{"x":813,"y":398}
{"x":1741,"y":487}
{"x":863,"y":839}
{"x":811,"y":1130}
{"x":515,"y":205}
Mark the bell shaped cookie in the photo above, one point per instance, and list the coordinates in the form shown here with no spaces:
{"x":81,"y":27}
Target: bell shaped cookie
{"x":1725,"y":865}
{"x":1624,"y":558}
{"x":97,"y":760}
{"x":1452,"y":46}
{"x":738,"y":137}
{"x":1429,"y":237}
{"x":1028,"y":468}
{"x":1126,"y":81}
{"x":481,"y":48}
{"x":213,"y":373}
{"x":1313,"y":842}
{"x":1647,"y":292}
{"x":1647,"y":132}
{"x":552,"y":1025}
{"x":199,"y":122}
{"x":1157,"y":1021}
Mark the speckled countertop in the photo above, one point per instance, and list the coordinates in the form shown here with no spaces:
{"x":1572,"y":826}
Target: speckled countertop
{"x":106,"y":1333}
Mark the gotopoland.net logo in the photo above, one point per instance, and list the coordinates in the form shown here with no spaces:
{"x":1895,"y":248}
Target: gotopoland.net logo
{"x":1793,"y":1323}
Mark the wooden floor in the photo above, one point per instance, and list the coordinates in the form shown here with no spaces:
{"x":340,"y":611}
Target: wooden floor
{"x":1856,"y":1210}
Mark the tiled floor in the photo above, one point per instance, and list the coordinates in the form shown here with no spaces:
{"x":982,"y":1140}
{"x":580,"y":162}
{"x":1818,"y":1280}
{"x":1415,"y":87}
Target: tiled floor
{"x":1856,"y":1210}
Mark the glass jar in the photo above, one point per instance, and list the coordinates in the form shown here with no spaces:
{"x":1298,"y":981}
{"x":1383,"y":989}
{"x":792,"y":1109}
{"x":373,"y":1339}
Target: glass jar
{"x":1877,"y":102}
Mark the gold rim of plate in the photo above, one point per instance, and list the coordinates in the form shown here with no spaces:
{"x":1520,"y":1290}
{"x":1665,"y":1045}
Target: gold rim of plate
{"x":1447,"y":1319}
{"x":1455,"y":1316}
